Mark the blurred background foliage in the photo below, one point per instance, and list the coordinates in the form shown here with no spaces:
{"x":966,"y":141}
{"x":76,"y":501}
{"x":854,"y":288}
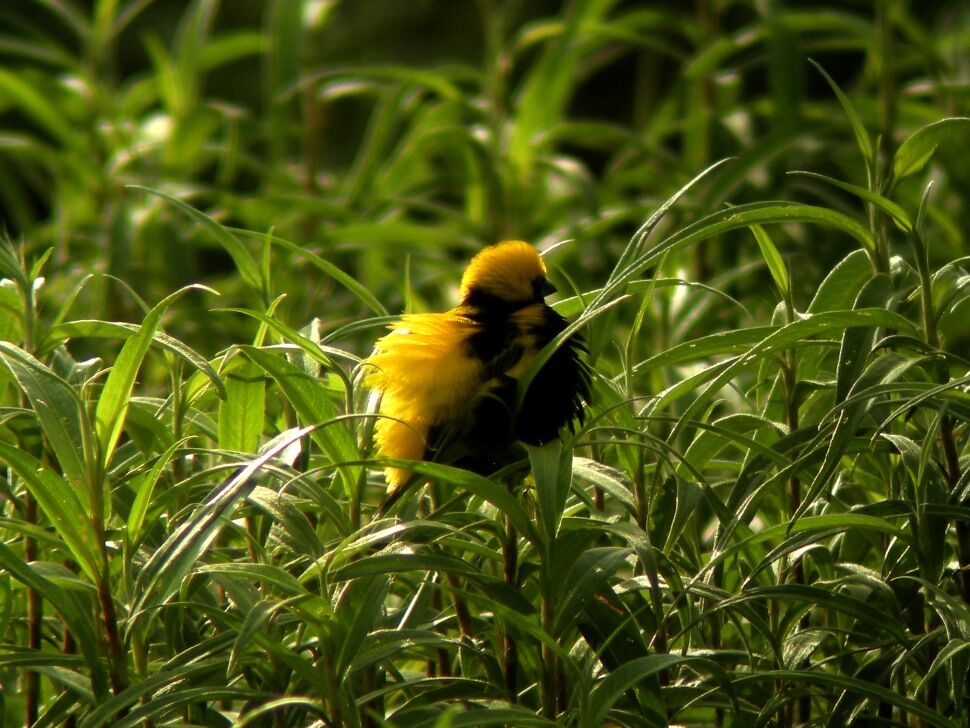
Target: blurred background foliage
{"x":391,"y":137}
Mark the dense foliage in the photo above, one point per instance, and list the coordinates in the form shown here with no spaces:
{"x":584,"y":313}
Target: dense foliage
{"x":213,"y":209}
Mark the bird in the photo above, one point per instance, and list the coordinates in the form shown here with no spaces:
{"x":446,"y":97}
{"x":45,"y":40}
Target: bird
{"x":447,"y":381}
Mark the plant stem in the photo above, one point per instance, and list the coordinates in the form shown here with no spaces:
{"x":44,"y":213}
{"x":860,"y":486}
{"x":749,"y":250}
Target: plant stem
{"x":640,"y":491}
{"x":953,"y":475}
{"x":35,"y":605}
{"x":117,"y":664}
{"x":550,"y":678}
{"x":69,"y":647}
{"x":35,"y":617}
{"x":510,"y":552}
{"x":462,"y":615}
{"x":887,"y":88}
{"x":139,"y":658}
{"x":333,"y":691}
{"x":803,"y":707}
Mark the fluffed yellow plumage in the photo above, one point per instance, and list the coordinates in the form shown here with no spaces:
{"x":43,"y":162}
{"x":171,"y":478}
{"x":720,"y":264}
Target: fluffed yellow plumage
{"x":448,"y":380}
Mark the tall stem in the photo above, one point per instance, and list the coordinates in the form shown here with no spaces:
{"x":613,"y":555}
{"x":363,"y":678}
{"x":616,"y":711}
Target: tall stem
{"x":35,"y":604}
{"x":333,"y":689}
{"x":550,"y":681}
{"x":510,"y":553}
{"x":802,"y":708}
{"x":35,"y":617}
{"x":117,"y":664}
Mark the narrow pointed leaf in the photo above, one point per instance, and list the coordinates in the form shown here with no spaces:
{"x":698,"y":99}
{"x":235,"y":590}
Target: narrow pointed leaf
{"x":858,"y":128}
{"x":113,"y":402}
{"x":245,"y":263}
{"x":776,"y":266}
{"x":179,"y":554}
{"x":59,"y":410}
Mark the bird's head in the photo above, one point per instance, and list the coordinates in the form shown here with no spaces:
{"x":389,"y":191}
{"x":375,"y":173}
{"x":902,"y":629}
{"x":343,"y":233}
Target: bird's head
{"x":511,"y":271}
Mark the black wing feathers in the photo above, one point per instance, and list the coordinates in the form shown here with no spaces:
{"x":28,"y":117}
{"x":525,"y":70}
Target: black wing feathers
{"x":482,"y":441}
{"x":556,"y":394}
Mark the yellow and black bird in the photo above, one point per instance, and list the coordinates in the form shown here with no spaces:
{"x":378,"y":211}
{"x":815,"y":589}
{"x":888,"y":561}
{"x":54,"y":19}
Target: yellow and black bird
{"x":448,"y":380}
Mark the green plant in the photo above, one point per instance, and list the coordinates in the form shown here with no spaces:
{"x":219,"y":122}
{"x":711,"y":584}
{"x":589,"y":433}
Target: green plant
{"x":763,"y":522}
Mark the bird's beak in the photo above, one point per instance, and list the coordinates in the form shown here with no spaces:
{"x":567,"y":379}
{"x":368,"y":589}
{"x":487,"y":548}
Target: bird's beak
{"x":547,"y":288}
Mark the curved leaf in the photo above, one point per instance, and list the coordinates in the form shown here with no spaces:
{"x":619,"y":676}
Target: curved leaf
{"x":916,"y":150}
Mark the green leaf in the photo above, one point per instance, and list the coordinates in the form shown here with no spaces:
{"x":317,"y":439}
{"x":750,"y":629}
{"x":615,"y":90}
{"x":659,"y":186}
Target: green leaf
{"x":398,"y":563}
{"x":840,"y":287}
{"x":854,"y":353}
{"x":551,"y":80}
{"x":590,"y":574}
{"x":231,"y":47}
{"x":245,"y":263}
{"x":180,"y":552}
{"x":257,"y":714}
{"x":169,"y":676}
{"x":435,"y":81}
{"x":840,"y":681}
{"x":343,"y":278}
{"x":488,"y":716}
{"x":256,"y":619}
{"x":777,"y":267}
{"x":10,"y":264}
{"x":819,"y":597}
{"x":143,"y":496}
{"x":113,"y":401}
{"x":763,"y":213}
{"x":737,"y":341}
{"x":861,"y":135}
{"x":732,"y":218}
{"x":317,"y":354}
{"x":481,"y":487}
{"x":285,"y":28}
{"x":297,"y":529}
{"x":18,"y":91}
{"x":787,"y":336}
{"x":917,"y":149}
{"x":60,"y":412}
{"x":312,"y":402}
{"x":723,"y":432}
{"x":78,"y":619}
{"x":359,"y":607}
{"x":952,"y":648}
{"x":609,"y":690}
{"x":119,"y":329}
{"x":266,"y":574}
{"x":552,"y":485}
{"x":241,"y":413}
{"x":600,"y":336}
{"x":607,"y":479}
{"x":856,"y":344}
{"x":897,"y":213}
{"x":164,"y":702}
{"x":689,"y":497}
{"x":70,"y":680}
{"x":58,"y":500}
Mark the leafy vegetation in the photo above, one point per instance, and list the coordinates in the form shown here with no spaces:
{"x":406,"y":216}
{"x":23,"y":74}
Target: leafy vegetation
{"x":213,"y":211}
